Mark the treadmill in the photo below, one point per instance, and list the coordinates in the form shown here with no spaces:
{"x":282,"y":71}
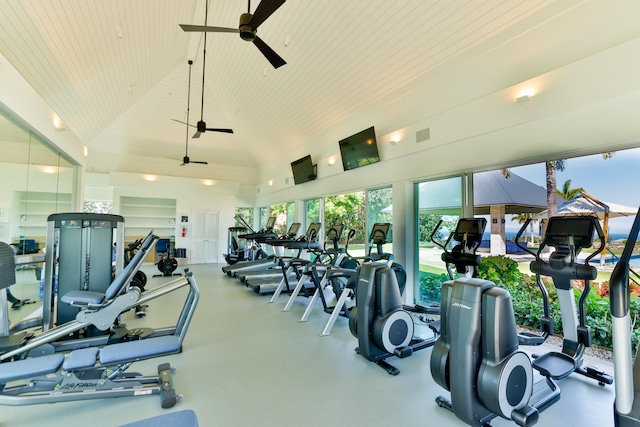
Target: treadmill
{"x":270,"y":268}
{"x":308,"y":242}
{"x":259,"y":238}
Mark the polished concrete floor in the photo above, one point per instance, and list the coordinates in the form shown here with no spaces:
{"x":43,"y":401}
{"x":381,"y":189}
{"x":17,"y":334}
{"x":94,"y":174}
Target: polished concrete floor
{"x":247,"y":363}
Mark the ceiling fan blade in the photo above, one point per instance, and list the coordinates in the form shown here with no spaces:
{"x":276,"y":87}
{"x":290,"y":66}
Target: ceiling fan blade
{"x":275,"y":59}
{"x":219,"y":130}
{"x":207,"y":29}
{"x":202,"y":163}
{"x":197,"y":134}
{"x":263,"y":11}
{"x":184,"y":123}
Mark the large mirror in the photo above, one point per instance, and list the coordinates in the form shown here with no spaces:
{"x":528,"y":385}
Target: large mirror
{"x":36,"y":182}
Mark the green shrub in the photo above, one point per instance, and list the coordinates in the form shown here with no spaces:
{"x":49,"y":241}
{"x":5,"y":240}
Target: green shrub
{"x":431,"y":286}
{"x":527,"y":301}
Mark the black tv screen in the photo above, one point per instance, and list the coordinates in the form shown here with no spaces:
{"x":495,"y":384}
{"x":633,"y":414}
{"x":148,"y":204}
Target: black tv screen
{"x":303,"y":170}
{"x":359,"y":150}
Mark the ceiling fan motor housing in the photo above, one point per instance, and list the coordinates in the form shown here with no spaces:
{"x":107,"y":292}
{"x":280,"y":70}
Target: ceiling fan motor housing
{"x":201,"y":126}
{"x":246,"y":32}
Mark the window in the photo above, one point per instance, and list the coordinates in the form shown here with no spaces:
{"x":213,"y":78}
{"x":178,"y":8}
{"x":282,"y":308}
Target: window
{"x":350,"y":210}
{"x":98,"y":206}
{"x":312,"y":213}
{"x":263,"y":216}
{"x":280,"y":212}
{"x":380,"y":209}
{"x":246,"y":214}
{"x":439,"y":200}
{"x":291,"y":213}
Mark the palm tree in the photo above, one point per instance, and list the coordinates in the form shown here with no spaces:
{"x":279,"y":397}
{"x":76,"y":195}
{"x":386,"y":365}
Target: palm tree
{"x":522,"y":218}
{"x":569,"y":193}
{"x":551,"y":168}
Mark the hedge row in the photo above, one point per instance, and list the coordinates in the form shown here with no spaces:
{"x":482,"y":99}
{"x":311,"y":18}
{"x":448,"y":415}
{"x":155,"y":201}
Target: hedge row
{"x":527,"y":300}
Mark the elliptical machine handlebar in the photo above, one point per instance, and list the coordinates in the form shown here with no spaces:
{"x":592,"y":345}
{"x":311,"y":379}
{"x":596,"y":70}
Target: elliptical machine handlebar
{"x":546,"y":321}
{"x":468,"y":234}
{"x":620,"y":302}
{"x":519,"y":235}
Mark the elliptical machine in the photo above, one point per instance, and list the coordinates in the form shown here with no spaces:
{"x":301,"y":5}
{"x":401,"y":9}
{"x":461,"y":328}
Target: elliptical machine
{"x":476,"y":358}
{"x":379,"y":320}
{"x":463,"y":255}
{"x":567,"y":236}
{"x":627,"y":370}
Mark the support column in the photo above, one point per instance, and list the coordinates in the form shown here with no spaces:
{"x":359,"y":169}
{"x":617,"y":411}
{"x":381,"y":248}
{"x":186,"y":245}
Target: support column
{"x":498,"y":245}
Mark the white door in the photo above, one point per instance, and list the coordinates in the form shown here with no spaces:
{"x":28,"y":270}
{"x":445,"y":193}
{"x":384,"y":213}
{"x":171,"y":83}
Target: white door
{"x":204,"y":237}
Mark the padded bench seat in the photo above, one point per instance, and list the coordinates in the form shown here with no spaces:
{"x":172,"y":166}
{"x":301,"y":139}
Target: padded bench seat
{"x":11,"y":371}
{"x":142,"y":349}
{"x":184,"y":418}
{"x":86,"y":358}
{"x":83,"y":297}
{"x":82,"y":358}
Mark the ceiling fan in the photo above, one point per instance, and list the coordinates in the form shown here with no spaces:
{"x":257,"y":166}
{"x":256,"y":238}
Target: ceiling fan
{"x":201,"y":126}
{"x":248,"y":28}
{"x":185,"y":159}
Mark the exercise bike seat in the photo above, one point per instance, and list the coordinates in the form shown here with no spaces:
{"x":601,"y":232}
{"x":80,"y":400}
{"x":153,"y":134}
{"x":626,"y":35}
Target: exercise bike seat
{"x":555,"y":365}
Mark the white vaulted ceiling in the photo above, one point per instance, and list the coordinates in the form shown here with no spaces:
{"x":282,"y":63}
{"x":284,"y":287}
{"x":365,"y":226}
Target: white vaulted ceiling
{"x":116,"y":71}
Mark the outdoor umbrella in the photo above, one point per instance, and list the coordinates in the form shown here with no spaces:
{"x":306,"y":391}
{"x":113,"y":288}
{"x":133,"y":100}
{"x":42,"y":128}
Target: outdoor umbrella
{"x":589,"y":205}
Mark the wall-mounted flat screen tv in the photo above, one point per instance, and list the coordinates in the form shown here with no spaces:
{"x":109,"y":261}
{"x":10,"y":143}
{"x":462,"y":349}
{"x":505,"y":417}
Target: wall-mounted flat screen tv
{"x":303,"y":170}
{"x":359,"y":150}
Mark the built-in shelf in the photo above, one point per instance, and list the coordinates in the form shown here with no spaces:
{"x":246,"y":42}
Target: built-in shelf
{"x":142,"y":214}
{"x":34,"y":209}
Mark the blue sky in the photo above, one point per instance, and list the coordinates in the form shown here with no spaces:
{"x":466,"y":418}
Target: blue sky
{"x":614,"y":180}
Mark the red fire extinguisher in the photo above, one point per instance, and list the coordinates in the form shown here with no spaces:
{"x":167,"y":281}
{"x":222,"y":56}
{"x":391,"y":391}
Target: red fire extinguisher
{"x":184,"y":231}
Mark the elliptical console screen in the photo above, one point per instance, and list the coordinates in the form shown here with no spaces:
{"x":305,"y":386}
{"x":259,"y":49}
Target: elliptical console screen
{"x":312,"y":231}
{"x":271,"y":221}
{"x":379,"y":233}
{"x":293,"y":229}
{"x":580,"y":227}
{"x":473,"y":227}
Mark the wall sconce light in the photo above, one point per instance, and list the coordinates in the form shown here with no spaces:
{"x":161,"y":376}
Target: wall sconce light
{"x":58,"y":124}
{"x":394,"y":139}
{"x":331,"y":160}
{"x":270,"y":183}
{"x":150,"y":178}
{"x":207,"y":182}
{"x":85,"y":151}
{"x":50,"y":169}
{"x":524,"y":97}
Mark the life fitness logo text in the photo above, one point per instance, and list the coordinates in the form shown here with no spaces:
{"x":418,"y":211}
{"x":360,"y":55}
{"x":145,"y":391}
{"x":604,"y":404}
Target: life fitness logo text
{"x":457,"y":304}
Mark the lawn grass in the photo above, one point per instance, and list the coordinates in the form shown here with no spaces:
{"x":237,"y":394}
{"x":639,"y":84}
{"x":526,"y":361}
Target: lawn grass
{"x":431,"y":269}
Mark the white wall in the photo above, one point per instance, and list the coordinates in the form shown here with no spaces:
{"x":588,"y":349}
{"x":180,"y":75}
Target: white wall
{"x":191,"y":195}
{"x":583,"y":107}
{"x":583,"y":104}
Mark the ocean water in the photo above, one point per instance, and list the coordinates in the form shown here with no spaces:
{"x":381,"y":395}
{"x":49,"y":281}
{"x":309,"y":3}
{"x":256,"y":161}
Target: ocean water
{"x":510,"y":235}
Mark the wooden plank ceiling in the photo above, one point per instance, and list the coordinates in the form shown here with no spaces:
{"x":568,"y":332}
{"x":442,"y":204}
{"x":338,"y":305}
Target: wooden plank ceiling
{"x":116,"y":71}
